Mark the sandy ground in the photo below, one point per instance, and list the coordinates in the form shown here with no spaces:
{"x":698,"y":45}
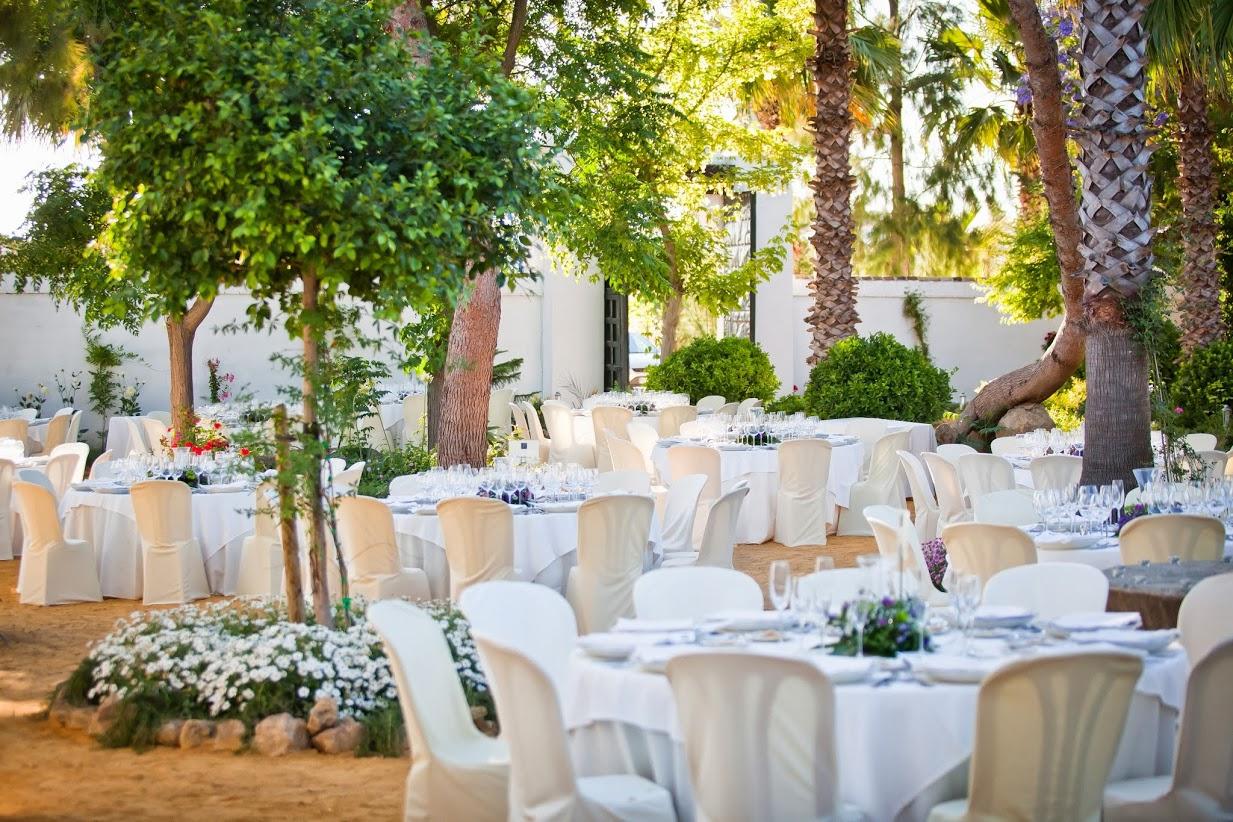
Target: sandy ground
{"x":48,"y":773}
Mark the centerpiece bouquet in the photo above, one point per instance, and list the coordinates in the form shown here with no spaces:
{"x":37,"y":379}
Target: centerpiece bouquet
{"x":199,"y":438}
{"x":508,"y":493}
{"x":881,"y":627}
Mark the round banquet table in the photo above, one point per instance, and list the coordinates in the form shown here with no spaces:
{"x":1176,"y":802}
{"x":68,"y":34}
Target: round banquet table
{"x":1104,"y":554}
{"x":1156,"y":591}
{"x":901,"y":748}
{"x":545,"y":547}
{"x":221,"y":521}
{"x":759,"y":467}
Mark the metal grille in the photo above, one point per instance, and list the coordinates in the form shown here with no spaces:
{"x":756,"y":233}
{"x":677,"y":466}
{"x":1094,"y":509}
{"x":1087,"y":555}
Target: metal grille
{"x":616,"y":339}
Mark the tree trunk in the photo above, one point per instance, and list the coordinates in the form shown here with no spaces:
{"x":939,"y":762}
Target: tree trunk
{"x":1200,"y":298}
{"x":833,"y":314}
{"x":467,"y":381}
{"x":317,"y":558}
{"x":902,"y":262}
{"x":1116,"y":245}
{"x":181,"y":332}
{"x":436,"y":381}
{"x":676,"y":300}
{"x":290,"y":540}
{"x":1037,"y":381}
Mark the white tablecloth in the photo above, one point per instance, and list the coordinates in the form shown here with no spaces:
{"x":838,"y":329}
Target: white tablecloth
{"x":107,"y":522}
{"x":760,"y":468}
{"x":901,"y":748}
{"x":921,"y":436}
{"x":659,"y":397}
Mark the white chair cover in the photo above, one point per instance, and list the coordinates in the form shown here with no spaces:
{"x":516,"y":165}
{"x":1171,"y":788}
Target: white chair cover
{"x":536,"y":431}
{"x":479,"y":541}
{"x":624,"y":455}
{"x":60,"y":471}
{"x":156,"y":432}
{"x":868,"y":431}
{"x":172,"y":568}
{"x":746,"y":406}
{"x":1201,"y":442}
{"x":710,"y":404}
{"x":371,"y":427}
{"x":1157,"y":537}
{"x":759,"y":736}
{"x":404,"y":485}
{"x":719,"y":537}
{"x":16,"y":428}
{"x":415,"y":419}
{"x":456,"y":771}
{"x":1206,"y":616}
{"x":53,"y":570}
{"x":1047,"y":730}
{"x":545,"y":628}
{"x":684,"y":460}
{"x":8,"y":472}
{"x":1214,"y":463}
{"x":952,"y":451}
{"x":1049,"y":589}
{"x":629,"y":482}
{"x":1055,"y":471}
{"x":951,"y":507}
{"x":604,"y":419}
{"x":676,"y":533}
{"x":345,"y":482}
{"x":137,"y":442}
{"x":613,"y":533}
{"x":1003,"y":446}
{"x":1014,"y":507}
{"x":162,"y":416}
{"x":838,"y":586}
{"x":727,"y":409}
{"x":983,"y":549}
{"x":645,"y":438}
{"x":560,"y":421}
{"x":81,"y":450}
{"x":881,"y":487}
{"x":521,"y":431}
{"x":1202,"y":782}
{"x":670,"y":419}
{"x":801,"y":505}
{"x":897,"y":541}
{"x":985,"y":473}
{"x":694,"y":593}
{"x":57,"y":431}
{"x":498,"y":409}
{"x":261,"y":555}
{"x":924,"y":503}
{"x":74,"y":432}
{"x":370,"y":550}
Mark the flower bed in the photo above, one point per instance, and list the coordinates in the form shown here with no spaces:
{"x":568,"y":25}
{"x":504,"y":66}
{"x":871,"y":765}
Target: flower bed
{"x":243,"y":661}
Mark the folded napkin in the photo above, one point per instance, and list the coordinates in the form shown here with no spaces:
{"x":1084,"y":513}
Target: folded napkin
{"x":565,"y":507}
{"x":1002,"y":616}
{"x":626,"y":625}
{"x":1148,"y":641}
{"x":955,"y":667}
{"x":229,"y":488}
{"x":1055,"y":541}
{"x":748,"y":620}
{"x":1097,"y":620}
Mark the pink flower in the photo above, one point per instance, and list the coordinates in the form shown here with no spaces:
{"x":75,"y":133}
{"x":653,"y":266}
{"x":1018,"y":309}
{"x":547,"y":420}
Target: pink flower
{"x":1177,"y":410}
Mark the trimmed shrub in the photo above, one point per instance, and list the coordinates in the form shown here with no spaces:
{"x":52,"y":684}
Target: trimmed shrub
{"x":1204,"y":383}
{"x":787,"y":404}
{"x":877,"y":376}
{"x":734,"y":368}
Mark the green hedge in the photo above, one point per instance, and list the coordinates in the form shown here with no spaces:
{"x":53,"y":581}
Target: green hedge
{"x":877,"y":376}
{"x":1204,"y":383}
{"x":733,"y":368}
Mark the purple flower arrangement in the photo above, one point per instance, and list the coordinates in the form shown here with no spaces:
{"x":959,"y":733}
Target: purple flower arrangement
{"x":935,"y":558}
{"x":890,"y":626}
{"x":514,"y":495}
{"x":1128,"y":513}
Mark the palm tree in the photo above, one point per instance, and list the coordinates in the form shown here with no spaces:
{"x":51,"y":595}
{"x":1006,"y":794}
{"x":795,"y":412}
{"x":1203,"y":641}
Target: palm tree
{"x":1116,"y":242}
{"x":44,"y":71}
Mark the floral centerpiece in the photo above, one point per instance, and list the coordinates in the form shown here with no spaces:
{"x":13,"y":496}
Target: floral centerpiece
{"x":1128,"y":513}
{"x":891,"y":626}
{"x":199,"y":438}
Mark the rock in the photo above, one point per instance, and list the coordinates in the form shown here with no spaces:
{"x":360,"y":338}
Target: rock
{"x":280,"y":734}
{"x":169,"y":733}
{"x":324,"y":714}
{"x":64,"y":715}
{"x":196,"y":732}
{"x":229,"y":735}
{"x":1024,"y":418}
{"x":344,"y":737}
{"x":106,"y":715}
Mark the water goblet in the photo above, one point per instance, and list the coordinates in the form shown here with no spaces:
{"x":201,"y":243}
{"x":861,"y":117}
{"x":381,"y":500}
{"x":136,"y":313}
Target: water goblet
{"x":779,"y":586}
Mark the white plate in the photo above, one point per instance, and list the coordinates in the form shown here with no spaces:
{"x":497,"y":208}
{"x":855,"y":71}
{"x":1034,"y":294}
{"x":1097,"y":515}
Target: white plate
{"x":612,"y":647}
{"x":1095,"y":621}
{"x":1066,"y":542}
{"x":111,"y":489}
{"x":1002,"y":616}
{"x":952,"y":667}
{"x":1153,"y":642}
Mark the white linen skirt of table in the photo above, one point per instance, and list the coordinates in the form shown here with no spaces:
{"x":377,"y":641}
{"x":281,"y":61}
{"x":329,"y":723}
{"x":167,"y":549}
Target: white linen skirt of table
{"x":1105,"y":554}
{"x":220,"y":523}
{"x":901,"y":749}
{"x":759,"y":467}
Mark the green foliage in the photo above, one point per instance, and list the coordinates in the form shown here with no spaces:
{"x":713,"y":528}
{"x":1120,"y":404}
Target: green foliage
{"x":105,"y":389}
{"x":1026,"y":285}
{"x":914,"y":312}
{"x":1068,"y":404}
{"x":787,"y":404}
{"x":889,"y":627}
{"x":1204,"y":383}
{"x":506,"y":372}
{"x":382,"y":466}
{"x":733,"y":367}
{"x":877,"y":376}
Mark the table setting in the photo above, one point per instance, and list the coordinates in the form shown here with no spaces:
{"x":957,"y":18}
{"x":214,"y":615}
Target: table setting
{"x":901,"y":672}
{"x":645,"y":405}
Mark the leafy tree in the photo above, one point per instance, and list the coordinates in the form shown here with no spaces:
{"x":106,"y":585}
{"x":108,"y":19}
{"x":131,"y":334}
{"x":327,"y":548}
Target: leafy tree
{"x":1025,"y":286}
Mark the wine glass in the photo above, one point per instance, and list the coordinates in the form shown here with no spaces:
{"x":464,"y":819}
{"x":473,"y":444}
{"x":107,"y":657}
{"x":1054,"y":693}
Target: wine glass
{"x":821,"y":564}
{"x":857,"y":613}
{"x":1088,"y":499}
{"x":779,"y":586}
{"x":964,"y":591}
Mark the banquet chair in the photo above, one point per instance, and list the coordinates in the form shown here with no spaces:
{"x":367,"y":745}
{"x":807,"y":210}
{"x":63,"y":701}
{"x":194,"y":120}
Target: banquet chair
{"x":684,"y":460}
{"x":868,"y":431}
{"x":172,"y":567}
{"x":622,"y":482}
{"x":747,"y":405}
{"x":952,"y":451}
{"x":54,"y":570}
{"x":74,"y":432}
{"x":1206,"y":616}
{"x":719,"y":535}
{"x":60,"y":470}
{"x":536,"y":431}
{"x":880,"y":487}
{"x":676,"y":533}
{"x":479,"y":541}
{"x":984,"y":474}
{"x":370,"y":427}
{"x":1014,"y":507}
{"x":694,"y":593}
{"x":162,"y":416}
{"x":404,"y":485}
{"x":1047,"y":730}
{"x":670,"y":419}
{"x":1199,"y":442}
{"x":710,"y":404}
{"x":543,"y":782}
{"x":370,"y":549}
{"x":923,"y":500}
{"x":28,"y":414}
{"x":1157,"y":537}
{"x":728,"y":409}
{"x":156,"y":433}
{"x":838,"y":586}
{"x":81,"y":449}
{"x":498,"y":409}
{"x":951,"y":507}
{"x":57,"y":432}
{"x":521,"y":430}
{"x":645,"y":438}
{"x":15,"y":428}
{"x":1049,"y":589}
{"x":101,"y":467}
{"x":894,"y":531}
{"x":8,"y":473}
{"x":613,"y":533}
{"x":345,"y":482}
{"x":333,"y":574}
{"x":545,"y":628}
{"x":1214,"y":463}
{"x":695,"y":428}
{"x":457,"y":772}
{"x":1005,"y":446}
{"x":415,"y":419}
{"x":604,"y":419}
{"x":983,"y":549}
{"x":759,"y":736}
{"x":1201,"y":786}
{"x":37,"y":477}
{"x":563,"y":445}
{"x":801,"y":504}
{"x":624,"y":455}
{"x":261,"y":555}
{"x":137,"y":442}
{"x":1055,"y":471}
{"x":334,"y":466}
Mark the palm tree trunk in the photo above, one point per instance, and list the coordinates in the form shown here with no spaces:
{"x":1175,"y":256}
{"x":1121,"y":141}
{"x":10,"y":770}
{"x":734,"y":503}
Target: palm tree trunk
{"x":1115,"y":207}
{"x":316,"y":514}
{"x":902,"y":263}
{"x":1201,"y":320}
{"x":462,"y":439}
{"x":181,"y":332}
{"x":833,"y":314}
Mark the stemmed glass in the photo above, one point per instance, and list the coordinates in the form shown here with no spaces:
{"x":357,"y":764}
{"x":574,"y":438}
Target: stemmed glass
{"x":1088,"y":499}
{"x":779,"y":586}
{"x":857,"y":613}
{"x":964,"y":591}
